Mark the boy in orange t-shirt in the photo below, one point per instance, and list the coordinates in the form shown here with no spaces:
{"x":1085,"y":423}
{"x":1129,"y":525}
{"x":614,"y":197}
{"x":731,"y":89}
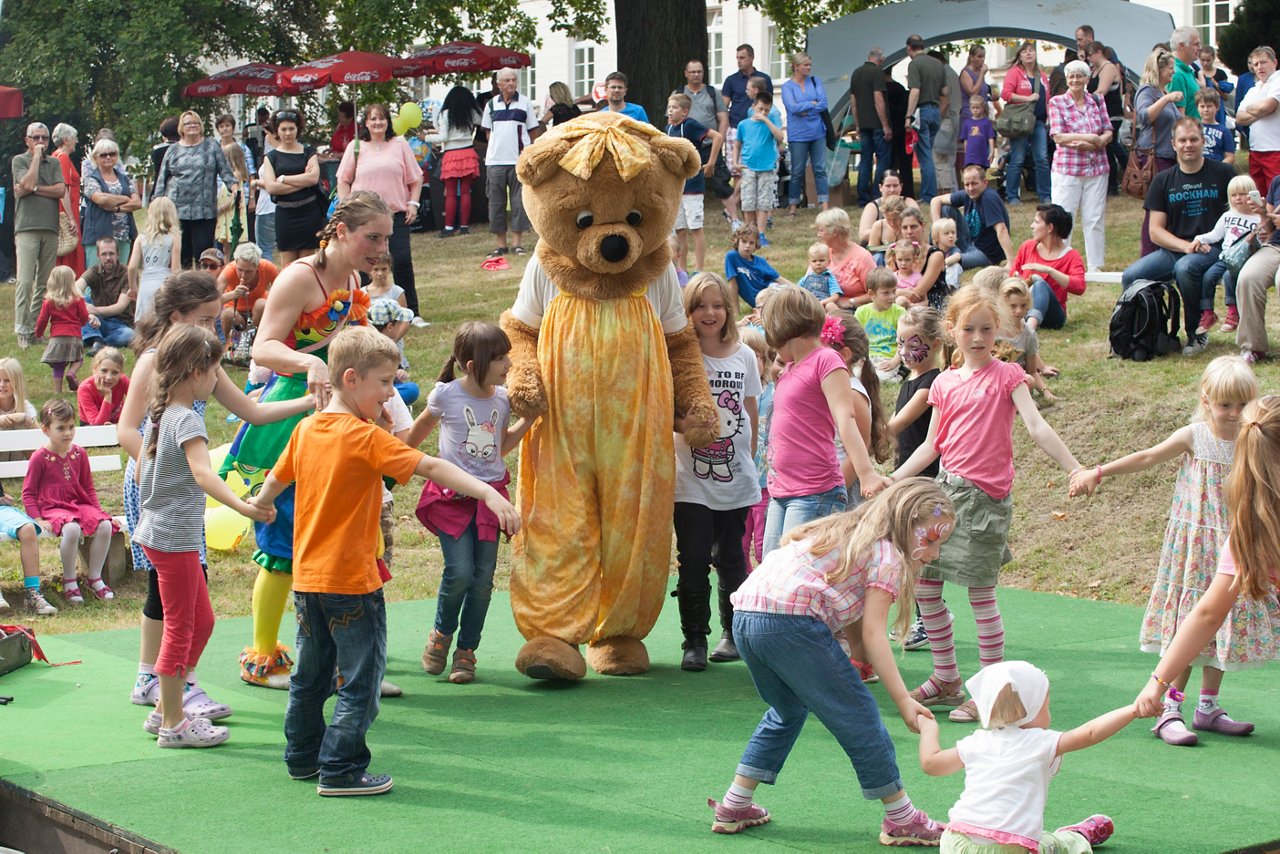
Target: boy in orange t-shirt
{"x":338,"y":458}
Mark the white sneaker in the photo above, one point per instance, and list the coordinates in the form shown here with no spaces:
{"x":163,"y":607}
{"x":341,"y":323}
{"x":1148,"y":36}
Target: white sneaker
{"x":5,"y":608}
{"x":197,"y":704}
{"x":419,"y":323}
{"x":193,"y":733}
{"x":155,"y":721}
{"x":146,"y":690}
{"x":36,"y":602}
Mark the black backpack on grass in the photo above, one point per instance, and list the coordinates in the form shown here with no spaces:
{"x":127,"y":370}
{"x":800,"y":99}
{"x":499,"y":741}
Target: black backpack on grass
{"x":1145,"y":321}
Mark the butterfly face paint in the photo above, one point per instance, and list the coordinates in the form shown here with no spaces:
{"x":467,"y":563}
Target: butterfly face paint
{"x":913,"y":349}
{"x":929,"y":539}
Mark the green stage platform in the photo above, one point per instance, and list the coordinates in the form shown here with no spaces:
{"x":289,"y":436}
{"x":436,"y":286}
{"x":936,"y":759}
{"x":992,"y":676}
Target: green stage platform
{"x":610,"y":764}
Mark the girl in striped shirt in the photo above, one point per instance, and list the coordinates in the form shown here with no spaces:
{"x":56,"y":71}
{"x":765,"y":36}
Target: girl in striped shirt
{"x":828,"y":574}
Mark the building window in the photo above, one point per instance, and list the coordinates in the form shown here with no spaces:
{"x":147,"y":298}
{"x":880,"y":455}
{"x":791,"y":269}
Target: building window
{"x":777,"y":58}
{"x":1210,"y":16}
{"x":527,"y":78}
{"x":715,"y":47}
{"x":584,"y":70}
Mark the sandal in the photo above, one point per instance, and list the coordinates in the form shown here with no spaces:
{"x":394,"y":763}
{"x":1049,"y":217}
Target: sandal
{"x":102,"y":591}
{"x":71,"y":592}
{"x":436,"y":655}
{"x":950,"y":694}
{"x":497,"y":253}
{"x":965,"y":713}
{"x":519,"y":250}
{"x":464,"y":667}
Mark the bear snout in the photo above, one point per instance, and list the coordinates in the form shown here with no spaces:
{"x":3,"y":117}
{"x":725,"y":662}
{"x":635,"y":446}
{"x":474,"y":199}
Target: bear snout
{"x":614,"y":248}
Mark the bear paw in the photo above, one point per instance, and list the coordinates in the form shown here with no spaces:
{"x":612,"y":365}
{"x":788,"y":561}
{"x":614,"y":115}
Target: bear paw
{"x":701,"y":425}
{"x":550,"y":658}
{"x":618,"y":656}
{"x":526,"y":392}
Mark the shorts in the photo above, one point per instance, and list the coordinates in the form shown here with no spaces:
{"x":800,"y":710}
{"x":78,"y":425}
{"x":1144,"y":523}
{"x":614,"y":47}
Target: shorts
{"x":11,"y":519}
{"x":689,"y":217}
{"x":759,"y":190}
{"x":979,"y":542}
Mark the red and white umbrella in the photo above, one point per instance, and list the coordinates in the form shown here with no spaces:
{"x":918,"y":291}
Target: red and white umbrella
{"x":350,"y":67}
{"x":255,"y":78}
{"x":467,"y":58}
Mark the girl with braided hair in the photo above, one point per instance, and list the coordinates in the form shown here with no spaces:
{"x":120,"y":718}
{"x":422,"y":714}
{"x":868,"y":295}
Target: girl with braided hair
{"x":175,"y":475}
{"x":311,"y":300}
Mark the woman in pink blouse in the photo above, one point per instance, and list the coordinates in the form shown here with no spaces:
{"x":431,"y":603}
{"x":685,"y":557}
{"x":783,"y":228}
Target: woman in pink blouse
{"x":850,"y":263}
{"x":384,"y":164}
{"x":1050,"y":267}
{"x":1081,"y":130}
{"x":1026,"y":83}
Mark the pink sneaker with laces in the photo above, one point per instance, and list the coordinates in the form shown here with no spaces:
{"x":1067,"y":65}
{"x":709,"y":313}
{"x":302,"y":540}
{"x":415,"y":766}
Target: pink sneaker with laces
{"x":1233,"y":319}
{"x":1208,"y":320}
{"x":1096,"y":829}
{"x":920,"y":832}
{"x":731,"y":821}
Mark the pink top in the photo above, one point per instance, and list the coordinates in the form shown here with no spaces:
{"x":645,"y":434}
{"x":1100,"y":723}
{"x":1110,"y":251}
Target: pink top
{"x":909,"y":281}
{"x":1227,"y":563}
{"x":852,"y":272}
{"x":802,"y":457}
{"x":1017,"y":80}
{"x":1066,"y":117}
{"x":975,"y":424}
{"x":92,"y":412}
{"x":1068,"y":262}
{"x":792,"y":580}
{"x":388,"y":172}
{"x":65,"y":321}
{"x":60,"y":490}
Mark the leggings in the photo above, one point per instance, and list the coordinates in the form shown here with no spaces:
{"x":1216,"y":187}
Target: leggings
{"x":152,"y":608}
{"x":185,"y":594}
{"x":457,"y":202}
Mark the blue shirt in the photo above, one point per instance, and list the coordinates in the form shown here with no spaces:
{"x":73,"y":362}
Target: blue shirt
{"x":804,"y":110}
{"x":1218,"y":141}
{"x":759,"y":150}
{"x":981,"y":217}
{"x":695,"y":132}
{"x":821,"y":285}
{"x":753,"y":276}
{"x":735,"y":89}
{"x":634,"y":111}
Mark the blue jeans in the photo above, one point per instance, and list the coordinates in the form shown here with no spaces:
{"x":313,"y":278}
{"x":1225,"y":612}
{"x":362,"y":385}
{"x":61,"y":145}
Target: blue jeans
{"x":265,"y":231}
{"x":1045,"y":307}
{"x":787,"y":513}
{"x":1219,"y":272}
{"x":810,"y":151}
{"x":873,"y":143}
{"x":798,"y":667}
{"x":112,"y":331}
{"x":349,"y":633}
{"x":1188,"y":271}
{"x":466,"y":585}
{"x":930,"y":121}
{"x":1038,"y":142}
{"x":408,"y":392}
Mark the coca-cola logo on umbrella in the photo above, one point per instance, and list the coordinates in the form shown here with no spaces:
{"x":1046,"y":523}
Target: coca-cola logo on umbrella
{"x":361,"y":77}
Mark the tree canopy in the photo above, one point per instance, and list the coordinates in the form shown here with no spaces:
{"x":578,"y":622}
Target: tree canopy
{"x":1253,"y":23}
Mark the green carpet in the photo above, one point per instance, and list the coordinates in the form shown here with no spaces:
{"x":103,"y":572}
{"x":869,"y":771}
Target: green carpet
{"x":609,"y":764}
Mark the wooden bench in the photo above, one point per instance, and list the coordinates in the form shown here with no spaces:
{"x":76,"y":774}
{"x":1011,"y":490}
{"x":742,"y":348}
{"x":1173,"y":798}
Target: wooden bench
{"x":25,"y":443}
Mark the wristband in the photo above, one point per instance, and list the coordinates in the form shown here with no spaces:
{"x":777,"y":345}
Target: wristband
{"x":416,"y":204}
{"x":1174,"y":694}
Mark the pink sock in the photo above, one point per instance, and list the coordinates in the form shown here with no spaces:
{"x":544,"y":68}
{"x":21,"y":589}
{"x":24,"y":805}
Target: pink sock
{"x":737,"y":797}
{"x":937,"y":625}
{"x":990,"y":625}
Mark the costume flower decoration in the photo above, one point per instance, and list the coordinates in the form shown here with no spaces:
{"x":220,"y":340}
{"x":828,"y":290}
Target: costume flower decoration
{"x":832,"y":331}
{"x":351,"y":306}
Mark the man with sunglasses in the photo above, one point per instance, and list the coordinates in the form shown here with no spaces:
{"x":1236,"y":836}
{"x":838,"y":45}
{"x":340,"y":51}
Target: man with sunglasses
{"x":38,"y":187}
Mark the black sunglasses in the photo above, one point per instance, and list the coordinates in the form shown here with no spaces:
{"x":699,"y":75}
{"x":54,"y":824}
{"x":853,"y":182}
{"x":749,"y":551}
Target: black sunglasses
{"x":210,"y":265}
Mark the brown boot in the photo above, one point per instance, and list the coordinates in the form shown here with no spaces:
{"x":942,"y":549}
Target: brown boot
{"x":436,"y":655}
{"x":464,"y":667}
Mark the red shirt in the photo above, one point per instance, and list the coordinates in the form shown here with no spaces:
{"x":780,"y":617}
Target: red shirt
{"x":65,"y":321}
{"x":92,"y":411}
{"x":343,"y":135}
{"x":1068,"y":262}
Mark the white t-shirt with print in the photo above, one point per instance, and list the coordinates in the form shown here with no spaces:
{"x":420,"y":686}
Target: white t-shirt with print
{"x":723,"y":476}
{"x":471,"y":429}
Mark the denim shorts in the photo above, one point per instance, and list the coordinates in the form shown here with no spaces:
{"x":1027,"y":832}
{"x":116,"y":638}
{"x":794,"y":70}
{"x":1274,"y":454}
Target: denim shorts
{"x":11,"y":519}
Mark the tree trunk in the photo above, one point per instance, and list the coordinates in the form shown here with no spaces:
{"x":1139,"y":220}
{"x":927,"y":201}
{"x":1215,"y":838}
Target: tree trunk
{"x":655,"y":40}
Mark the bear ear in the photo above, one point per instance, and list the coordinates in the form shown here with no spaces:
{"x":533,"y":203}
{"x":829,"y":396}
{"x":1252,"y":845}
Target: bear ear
{"x":540,"y":162}
{"x":676,"y":155}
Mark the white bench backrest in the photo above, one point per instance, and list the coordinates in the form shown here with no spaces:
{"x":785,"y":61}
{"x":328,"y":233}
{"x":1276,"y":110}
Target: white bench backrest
{"x":26,"y":442}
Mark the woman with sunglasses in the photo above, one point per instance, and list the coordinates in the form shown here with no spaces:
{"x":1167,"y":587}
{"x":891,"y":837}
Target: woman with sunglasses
{"x":187,"y":176}
{"x":290,"y":174}
{"x":110,"y":199}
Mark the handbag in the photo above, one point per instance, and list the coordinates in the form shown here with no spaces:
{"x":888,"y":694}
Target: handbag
{"x":1019,"y":120}
{"x":829,"y":128}
{"x":1141,"y":170}
{"x":1235,"y":255}
{"x":333,"y":194}
{"x":68,"y":240}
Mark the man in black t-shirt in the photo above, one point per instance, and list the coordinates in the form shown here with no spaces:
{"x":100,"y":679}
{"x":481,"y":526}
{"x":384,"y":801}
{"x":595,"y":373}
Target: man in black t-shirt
{"x":871,"y":109}
{"x":1183,"y":202}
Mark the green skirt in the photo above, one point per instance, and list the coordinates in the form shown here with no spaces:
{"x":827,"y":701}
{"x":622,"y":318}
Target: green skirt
{"x":979,"y":544}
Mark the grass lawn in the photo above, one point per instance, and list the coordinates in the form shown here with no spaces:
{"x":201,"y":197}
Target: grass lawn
{"x":1103,"y":548}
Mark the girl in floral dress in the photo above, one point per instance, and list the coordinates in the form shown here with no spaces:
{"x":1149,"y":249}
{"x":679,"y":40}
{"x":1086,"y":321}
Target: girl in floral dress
{"x":1193,"y":542}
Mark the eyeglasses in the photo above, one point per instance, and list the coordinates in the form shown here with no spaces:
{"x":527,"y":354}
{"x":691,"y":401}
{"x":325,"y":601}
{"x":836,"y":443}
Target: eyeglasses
{"x":40,"y":138}
{"x":210,"y":265}
{"x":109,"y":154}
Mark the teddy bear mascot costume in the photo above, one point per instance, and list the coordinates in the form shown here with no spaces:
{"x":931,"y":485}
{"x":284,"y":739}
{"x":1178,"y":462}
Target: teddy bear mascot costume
{"x":603,"y":354}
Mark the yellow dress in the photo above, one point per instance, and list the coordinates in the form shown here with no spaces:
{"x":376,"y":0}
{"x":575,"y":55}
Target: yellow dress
{"x":594,"y":554}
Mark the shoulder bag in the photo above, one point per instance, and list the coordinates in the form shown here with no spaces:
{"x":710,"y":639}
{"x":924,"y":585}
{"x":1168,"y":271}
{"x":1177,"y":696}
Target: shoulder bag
{"x":1018,"y":120}
{"x":1141,"y":170}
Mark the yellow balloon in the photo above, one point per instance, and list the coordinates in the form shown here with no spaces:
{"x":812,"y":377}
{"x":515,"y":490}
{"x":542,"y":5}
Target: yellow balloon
{"x":237,"y":483}
{"x":399,"y":125}
{"x":412,"y":114}
{"x":224,"y":528}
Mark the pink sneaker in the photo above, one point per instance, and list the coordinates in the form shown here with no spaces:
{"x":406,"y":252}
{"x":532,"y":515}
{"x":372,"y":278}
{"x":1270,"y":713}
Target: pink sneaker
{"x":1208,"y":320}
{"x":921,"y":831}
{"x":1096,"y":829}
{"x":731,"y":821}
{"x":1233,"y":319}
{"x":1218,"y":721}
